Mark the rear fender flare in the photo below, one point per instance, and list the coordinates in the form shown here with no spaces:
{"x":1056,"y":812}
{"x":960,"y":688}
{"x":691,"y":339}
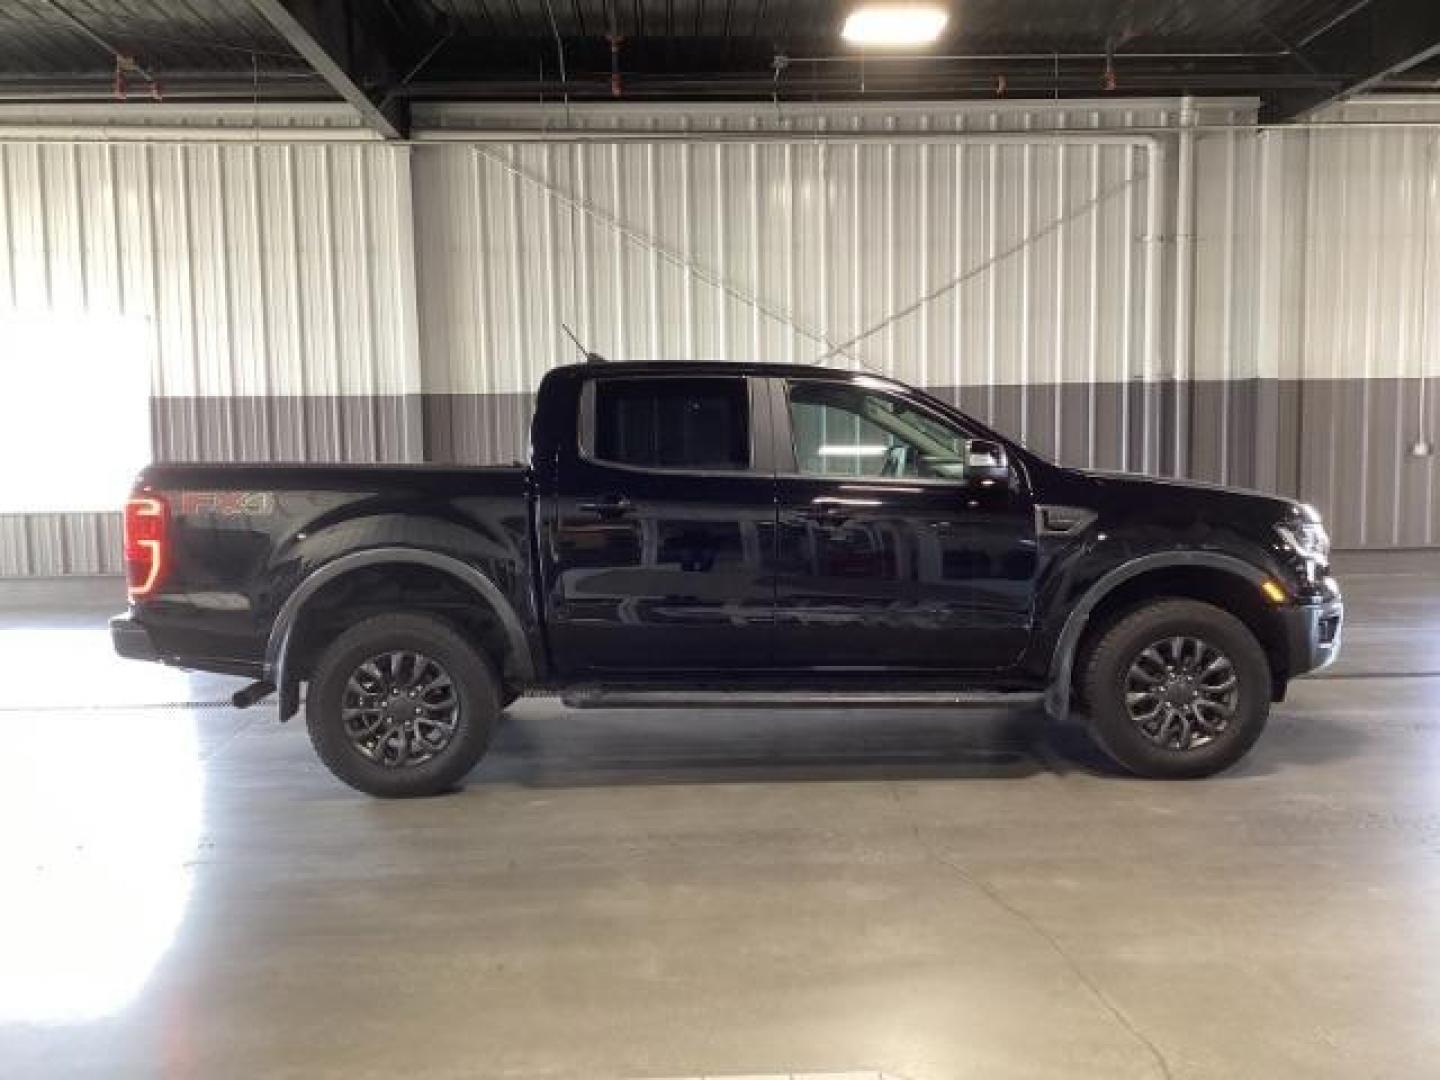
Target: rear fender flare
{"x":277,"y":648}
{"x":1062,"y":662}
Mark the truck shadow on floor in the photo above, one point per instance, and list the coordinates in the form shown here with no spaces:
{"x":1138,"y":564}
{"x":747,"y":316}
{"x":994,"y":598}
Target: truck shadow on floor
{"x":541,"y":744}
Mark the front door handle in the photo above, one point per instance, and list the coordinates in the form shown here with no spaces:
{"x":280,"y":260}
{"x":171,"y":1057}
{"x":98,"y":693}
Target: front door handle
{"x":607,"y":506}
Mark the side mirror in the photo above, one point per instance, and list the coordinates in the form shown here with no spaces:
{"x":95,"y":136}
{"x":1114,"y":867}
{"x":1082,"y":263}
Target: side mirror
{"x":985,"y":463}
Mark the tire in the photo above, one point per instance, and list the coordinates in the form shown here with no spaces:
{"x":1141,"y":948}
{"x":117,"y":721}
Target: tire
{"x":381,"y":749}
{"x":1177,"y":727}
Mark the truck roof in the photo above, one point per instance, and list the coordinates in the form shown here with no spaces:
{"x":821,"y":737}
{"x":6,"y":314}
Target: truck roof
{"x":712,"y":367}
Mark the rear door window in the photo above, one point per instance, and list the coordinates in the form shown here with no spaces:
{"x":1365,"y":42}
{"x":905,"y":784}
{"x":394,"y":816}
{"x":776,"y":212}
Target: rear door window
{"x":698,"y":423}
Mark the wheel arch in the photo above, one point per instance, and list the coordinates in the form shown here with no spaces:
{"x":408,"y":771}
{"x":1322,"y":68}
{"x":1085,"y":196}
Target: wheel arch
{"x":1169,"y":573}
{"x":279,"y":649}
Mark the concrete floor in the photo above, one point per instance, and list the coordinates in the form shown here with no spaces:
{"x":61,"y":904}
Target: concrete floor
{"x":919,"y":893}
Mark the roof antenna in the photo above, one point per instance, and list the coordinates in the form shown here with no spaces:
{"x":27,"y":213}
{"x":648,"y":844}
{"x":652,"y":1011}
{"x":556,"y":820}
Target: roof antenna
{"x":590,"y":357}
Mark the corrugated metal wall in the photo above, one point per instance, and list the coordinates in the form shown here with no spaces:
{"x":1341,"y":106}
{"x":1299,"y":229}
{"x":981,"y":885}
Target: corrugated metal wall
{"x":327,"y":301}
{"x":1367,"y":366}
{"x":53,"y":545}
{"x":277,"y":283}
{"x":951,"y":266}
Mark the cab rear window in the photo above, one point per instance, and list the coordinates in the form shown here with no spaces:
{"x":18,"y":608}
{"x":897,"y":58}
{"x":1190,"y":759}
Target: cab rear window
{"x":673,"y":423}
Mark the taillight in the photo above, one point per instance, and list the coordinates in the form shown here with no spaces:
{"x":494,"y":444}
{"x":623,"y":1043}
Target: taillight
{"x":147,"y":521}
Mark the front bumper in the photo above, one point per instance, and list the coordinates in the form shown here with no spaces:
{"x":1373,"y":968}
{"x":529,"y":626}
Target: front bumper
{"x":1312,"y":632}
{"x":131,"y":640}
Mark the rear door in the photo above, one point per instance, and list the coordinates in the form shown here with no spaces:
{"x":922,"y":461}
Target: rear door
{"x":662,"y":528}
{"x":888,"y":556}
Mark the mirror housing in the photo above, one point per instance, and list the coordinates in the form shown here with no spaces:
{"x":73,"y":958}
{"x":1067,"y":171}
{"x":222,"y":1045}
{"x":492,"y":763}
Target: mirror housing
{"x":986,"y":463}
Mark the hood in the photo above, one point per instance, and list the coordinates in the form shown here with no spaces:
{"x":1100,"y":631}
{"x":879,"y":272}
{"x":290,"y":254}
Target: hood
{"x":1162,"y":486}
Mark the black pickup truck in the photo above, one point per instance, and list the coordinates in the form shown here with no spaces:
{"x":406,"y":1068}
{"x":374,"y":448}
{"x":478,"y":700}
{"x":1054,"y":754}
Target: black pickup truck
{"x":686,"y":529}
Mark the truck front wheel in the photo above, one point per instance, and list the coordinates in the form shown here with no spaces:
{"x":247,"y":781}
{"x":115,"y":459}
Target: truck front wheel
{"x":1177,"y":689}
{"x":401,"y":705}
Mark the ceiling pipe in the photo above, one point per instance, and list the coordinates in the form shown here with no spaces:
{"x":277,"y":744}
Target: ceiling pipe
{"x":172,"y":134}
{"x":1046,"y":57}
{"x":177,"y":135}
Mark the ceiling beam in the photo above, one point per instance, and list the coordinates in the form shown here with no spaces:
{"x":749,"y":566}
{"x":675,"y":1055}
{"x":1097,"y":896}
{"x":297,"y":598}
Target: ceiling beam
{"x":346,"y":54}
{"x":1375,"y":41}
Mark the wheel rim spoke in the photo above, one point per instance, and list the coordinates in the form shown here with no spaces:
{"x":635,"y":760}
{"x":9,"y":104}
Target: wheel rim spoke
{"x":400,"y":708}
{"x":1181,"y":692}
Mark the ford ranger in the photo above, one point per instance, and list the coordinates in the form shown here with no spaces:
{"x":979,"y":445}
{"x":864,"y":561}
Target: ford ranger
{"x":693,"y":529}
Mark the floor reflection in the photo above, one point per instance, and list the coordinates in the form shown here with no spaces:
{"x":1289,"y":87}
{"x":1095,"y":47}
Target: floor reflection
{"x":96,"y":857}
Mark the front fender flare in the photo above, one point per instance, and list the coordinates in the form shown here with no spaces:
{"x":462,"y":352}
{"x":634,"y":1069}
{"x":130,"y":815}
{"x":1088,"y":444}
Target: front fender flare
{"x":1062,"y":661}
{"x":277,"y":647}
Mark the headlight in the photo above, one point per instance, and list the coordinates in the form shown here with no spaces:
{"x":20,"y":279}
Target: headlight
{"x":1307,"y":539}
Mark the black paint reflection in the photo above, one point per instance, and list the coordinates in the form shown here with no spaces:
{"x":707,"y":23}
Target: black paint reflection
{"x":935,"y":576}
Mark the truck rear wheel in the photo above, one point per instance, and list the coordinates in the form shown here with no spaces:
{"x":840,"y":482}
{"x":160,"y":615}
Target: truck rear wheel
{"x":401,"y":705}
{"x":1177,"y":689}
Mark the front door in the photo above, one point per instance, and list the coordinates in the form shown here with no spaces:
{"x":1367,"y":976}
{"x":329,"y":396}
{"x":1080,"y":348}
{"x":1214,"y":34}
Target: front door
{"x":662,"y":529}
{"x":888,"y":554}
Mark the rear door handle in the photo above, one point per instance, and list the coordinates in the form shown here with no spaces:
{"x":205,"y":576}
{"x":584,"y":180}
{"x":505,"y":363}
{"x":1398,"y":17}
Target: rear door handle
{"x":607,"y":506}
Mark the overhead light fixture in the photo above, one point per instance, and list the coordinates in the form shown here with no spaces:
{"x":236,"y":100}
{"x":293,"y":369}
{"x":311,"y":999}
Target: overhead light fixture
{"x":894,"y":24}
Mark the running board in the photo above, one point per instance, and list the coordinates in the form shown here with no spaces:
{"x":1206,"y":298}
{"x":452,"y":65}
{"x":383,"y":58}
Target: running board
{"x":770,"y":699}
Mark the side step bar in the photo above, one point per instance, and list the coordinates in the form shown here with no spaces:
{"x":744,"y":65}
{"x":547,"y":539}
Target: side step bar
{"x":770,"y":699}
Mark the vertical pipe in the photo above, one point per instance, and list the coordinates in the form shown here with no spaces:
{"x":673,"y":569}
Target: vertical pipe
{"x":1154,"y":183}
{"x":1092,"y":344}
{"x":1429,"y":346}
{"x":1027,"y":299}
{"x":1227,"y":312}
{"x":1060,"y":328}
{"x":957,"y":356}
{"x":992,"y":252}
{"x":1184,"y":281}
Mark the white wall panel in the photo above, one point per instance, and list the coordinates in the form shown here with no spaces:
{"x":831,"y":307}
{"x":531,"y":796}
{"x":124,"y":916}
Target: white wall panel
{"x":270,"y":270}
{"x":1365,"y":358}
{"x":981,"y":264}
{"x":275,"y":282}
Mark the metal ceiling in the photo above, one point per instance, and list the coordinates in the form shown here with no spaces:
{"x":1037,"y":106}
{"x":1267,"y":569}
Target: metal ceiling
{"x":984,"y":25}
{"x":380,"y":54}
{"x":41,"y":37}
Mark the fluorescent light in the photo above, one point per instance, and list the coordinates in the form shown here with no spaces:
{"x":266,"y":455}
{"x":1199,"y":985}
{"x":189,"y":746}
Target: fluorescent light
{"x":894,"y":24}
{"x":852,"y":451}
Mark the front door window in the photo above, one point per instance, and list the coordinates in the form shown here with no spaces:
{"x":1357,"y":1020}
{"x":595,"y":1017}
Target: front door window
{"x":842,"y":430}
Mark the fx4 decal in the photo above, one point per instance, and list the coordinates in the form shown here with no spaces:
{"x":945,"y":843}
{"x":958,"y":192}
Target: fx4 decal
{"x":228,"y":503}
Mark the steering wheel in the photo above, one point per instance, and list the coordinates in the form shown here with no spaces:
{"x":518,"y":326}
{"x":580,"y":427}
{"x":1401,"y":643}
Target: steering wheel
{"x":897,"y":460}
